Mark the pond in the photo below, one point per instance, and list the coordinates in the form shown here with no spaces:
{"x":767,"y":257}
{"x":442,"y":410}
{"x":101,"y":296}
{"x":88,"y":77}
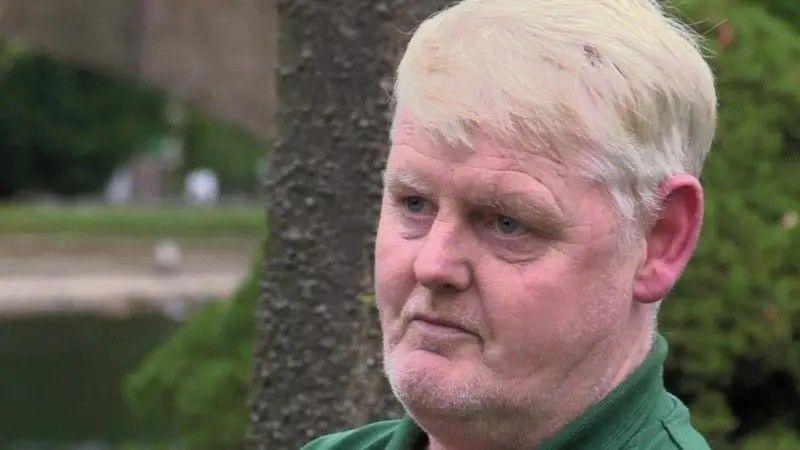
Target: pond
{"x":61,"y":377}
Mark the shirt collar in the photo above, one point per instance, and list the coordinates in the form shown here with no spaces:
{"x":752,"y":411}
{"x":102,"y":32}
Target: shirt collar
{"x":618,"y":416}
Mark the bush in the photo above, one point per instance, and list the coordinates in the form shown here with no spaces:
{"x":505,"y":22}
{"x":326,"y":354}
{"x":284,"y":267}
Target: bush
{"x":734,"y":319}
{"x":772,"y":439}
{"x":63,"y":129}
{"x":200,"y":379}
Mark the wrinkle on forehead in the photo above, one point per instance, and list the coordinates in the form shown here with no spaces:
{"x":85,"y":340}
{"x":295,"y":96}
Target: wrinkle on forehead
{"x":406,"y":130}
{"x":496,"y":166}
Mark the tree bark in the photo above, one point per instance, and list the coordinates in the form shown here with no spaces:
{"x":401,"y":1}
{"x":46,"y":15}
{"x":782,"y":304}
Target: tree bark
{"x":318,"y":359}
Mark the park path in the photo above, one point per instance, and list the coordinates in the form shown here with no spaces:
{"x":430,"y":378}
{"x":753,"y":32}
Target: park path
{"x":57,"y":274}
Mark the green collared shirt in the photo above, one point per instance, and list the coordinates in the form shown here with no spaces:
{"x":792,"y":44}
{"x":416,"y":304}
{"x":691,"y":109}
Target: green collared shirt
{"x":638,"y":414}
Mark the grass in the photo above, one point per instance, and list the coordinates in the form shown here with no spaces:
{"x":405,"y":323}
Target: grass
{"x":132,"y":221}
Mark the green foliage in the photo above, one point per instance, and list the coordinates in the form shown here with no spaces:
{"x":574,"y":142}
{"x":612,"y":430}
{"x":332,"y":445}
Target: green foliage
{"x":233,"y":154}
{"x":200,"y":378}
{"x":63,"y":129}
{"x":734,"y":319}
{"x":772,"y":439}
{"x":786,"y":10}
{"x":104,"y":220}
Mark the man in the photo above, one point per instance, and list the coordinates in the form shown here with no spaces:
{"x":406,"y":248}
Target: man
{"x":541,"y":199}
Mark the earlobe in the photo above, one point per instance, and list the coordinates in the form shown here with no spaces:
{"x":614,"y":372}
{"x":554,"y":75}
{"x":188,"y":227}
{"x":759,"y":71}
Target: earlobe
{"x":653,"y":282}
{"x":672,"y":239}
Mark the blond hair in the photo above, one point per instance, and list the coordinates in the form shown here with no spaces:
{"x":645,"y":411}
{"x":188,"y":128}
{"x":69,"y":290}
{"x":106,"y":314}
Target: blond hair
{"x":615,"y":82}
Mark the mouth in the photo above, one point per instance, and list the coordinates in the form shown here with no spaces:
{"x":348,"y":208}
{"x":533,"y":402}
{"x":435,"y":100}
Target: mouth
{"x":441,"y":322}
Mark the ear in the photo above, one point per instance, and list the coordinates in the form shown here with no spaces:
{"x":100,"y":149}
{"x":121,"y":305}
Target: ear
{"x":672,"y":239}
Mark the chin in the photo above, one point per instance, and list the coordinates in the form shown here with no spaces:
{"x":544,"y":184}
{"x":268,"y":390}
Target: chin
{"x":430,"y":383}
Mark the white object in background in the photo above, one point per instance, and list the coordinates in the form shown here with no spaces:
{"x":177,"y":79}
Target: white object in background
{"x":120,"y":187}
{"x":789,"y":220}
{"x":167,"y":256}
{"x":202,"y":187}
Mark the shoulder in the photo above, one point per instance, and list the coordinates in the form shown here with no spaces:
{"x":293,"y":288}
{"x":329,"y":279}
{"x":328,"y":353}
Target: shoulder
{"x":680,"y":429}
{"x":674,"y":431}
{"x":369,"y":437}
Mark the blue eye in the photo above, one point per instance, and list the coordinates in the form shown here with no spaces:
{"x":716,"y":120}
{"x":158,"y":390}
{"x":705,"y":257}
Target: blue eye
{"x":414,"y":204}
{"x":507,"y":225}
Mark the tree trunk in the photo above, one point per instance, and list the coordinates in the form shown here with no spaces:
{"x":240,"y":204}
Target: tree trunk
{"x":318,"y":359}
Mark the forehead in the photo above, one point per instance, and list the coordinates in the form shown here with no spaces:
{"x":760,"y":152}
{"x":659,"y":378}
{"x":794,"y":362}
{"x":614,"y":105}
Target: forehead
{"x":413,"y":143}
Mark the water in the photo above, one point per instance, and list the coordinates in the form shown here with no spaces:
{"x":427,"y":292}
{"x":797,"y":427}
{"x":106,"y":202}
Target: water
{"x":61,"y":376}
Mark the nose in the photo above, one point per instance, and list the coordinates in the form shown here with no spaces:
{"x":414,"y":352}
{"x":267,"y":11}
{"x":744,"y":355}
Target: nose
{"x":442,"y":260}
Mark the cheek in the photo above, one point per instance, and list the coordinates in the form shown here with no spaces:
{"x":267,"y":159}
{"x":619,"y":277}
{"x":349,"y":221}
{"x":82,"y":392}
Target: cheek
{"x":554,"y":309}
{"x":394,"y":278}
{"x":532,"y":312}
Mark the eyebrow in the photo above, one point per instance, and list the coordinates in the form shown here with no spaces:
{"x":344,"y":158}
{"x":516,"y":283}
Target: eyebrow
{"x":404,"y":179}
{"x":526,"y":207}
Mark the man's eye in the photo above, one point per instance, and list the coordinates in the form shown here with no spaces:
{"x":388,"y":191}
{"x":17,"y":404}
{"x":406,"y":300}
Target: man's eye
{"x":414,"y":204}
{"x":507,"y":226}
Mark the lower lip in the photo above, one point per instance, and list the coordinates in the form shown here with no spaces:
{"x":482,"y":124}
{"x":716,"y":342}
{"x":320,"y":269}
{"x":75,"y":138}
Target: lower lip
{"x":436,"y":330}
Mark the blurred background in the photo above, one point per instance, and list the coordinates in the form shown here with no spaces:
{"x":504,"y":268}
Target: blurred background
{"x":134,"y":137}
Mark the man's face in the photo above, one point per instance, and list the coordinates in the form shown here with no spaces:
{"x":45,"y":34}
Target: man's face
{"x":499,"y":278}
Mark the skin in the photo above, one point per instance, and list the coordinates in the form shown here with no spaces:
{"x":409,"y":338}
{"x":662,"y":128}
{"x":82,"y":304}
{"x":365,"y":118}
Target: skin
{"x":506,"y":304}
